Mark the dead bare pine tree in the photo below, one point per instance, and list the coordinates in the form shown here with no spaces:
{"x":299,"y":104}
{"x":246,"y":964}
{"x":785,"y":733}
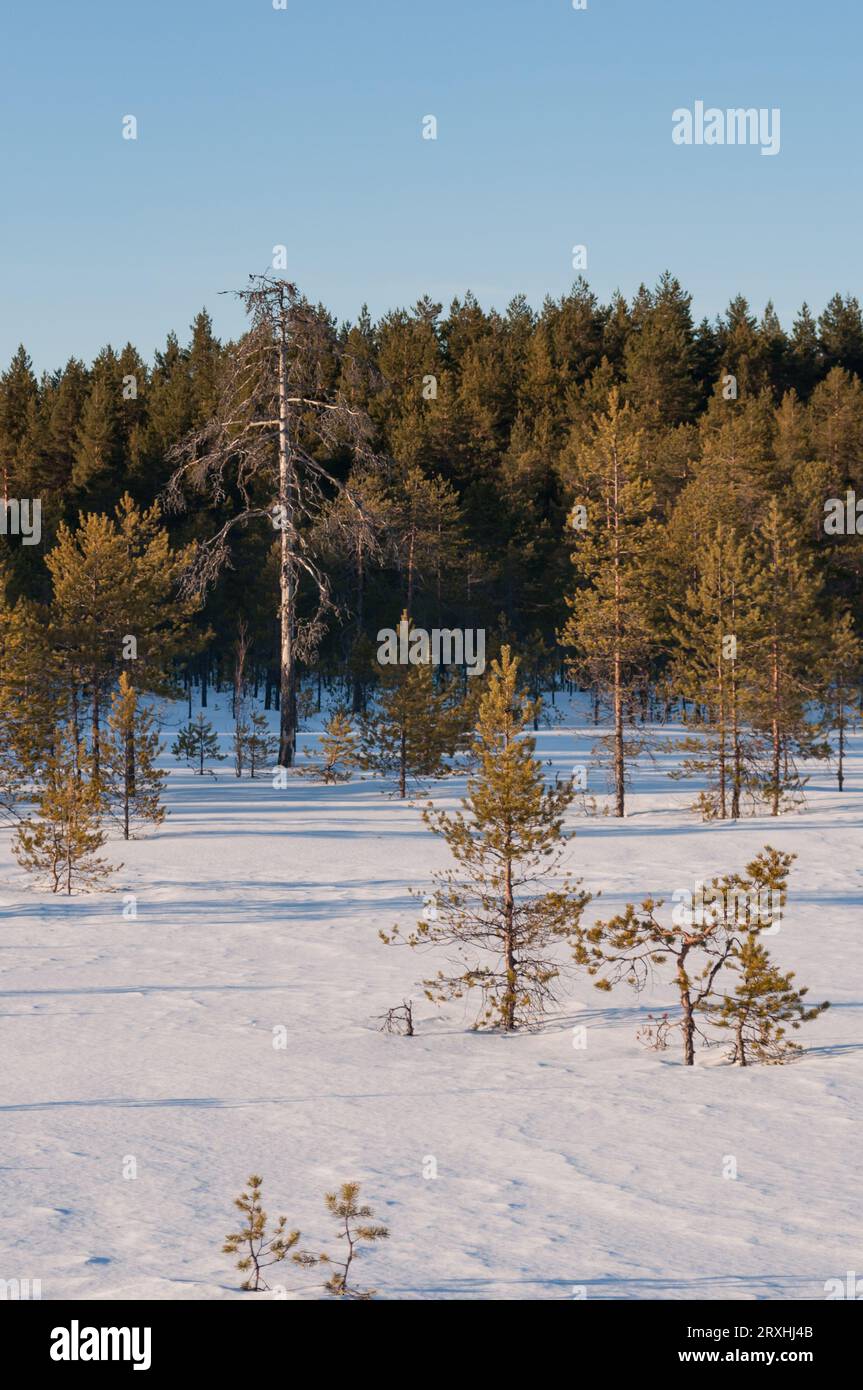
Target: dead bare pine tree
{"x":278,"y":413}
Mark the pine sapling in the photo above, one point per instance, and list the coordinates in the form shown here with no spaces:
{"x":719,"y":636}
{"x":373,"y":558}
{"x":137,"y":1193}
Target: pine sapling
{"x":507,"y":838}
{"x":195,"y":742}
{"x":339,"y":746}
{"x":61,"y":842}
{"x":261,"y":745}
{"x":699,"y":942}
{"x":257,"y":1247}
{"x":760,"y":1003}
{"x":413,"y":727}
{"x":355,"y":1229}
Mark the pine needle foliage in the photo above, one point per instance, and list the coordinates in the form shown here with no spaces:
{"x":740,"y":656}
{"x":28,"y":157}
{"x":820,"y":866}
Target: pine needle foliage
{"x":258,"y":1245}
{"x":507,"y":838}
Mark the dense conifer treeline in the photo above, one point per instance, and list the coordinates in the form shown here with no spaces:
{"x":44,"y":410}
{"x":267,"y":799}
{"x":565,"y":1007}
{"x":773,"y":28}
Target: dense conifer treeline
{"x":616,"y":491}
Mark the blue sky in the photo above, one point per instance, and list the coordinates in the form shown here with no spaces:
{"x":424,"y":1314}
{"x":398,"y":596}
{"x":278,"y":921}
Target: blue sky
{"x":303,"y":127}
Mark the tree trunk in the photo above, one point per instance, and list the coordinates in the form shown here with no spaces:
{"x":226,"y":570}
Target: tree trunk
{"x":357,"y":701}
{"x":738,"y":753}
{"x":775,"y":736}
{"x":128,"y":781}
{"x":688,"y":1024}
{"x":94,"y":733}
{"x":619,"y":787}
{"x":509,"y":951}
{"x":287,"y":576}
{"x":403,"y":764}
{"x":723,"y":773}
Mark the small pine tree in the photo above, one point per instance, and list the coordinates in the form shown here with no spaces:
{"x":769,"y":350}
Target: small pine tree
{"x":261,"y":745}
{"x":60,"y":843}
{"x":763,"y":1000}
{"x":260,"y":1248}
{"x":791,"y":636}
{"x":340,"y":747}
{"x":412,"y":729}
{"x":196,"y":741}
{"x":131,"y":783}
{"x":841,"y":666}
{"x":507,"y":837}
{"x":710,"y":667}
{"x":353,"y":1220}
{"x":699,"y":942}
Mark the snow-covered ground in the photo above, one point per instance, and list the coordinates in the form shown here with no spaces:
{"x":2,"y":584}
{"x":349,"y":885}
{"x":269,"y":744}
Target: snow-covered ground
{"x":562,"y":1172}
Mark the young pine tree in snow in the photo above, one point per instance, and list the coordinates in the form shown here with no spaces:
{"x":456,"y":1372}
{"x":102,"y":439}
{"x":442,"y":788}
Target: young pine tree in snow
{"x":60,"y":843}
{"x":506,"y":839}
{"x":715,"y":651}
{"x":758,"y":1004}
{"x":354,"y":1220}
{"x":698,"y":940}
{"x":339,"y":746}
{"x":412,"y":728}
{"x":257,"y":1246}
{"x":842,"y":669}
{"x":791,"y":638}
{"x":261,"y":745}
{"x":195,"y":742}
{"x":131,"y":783}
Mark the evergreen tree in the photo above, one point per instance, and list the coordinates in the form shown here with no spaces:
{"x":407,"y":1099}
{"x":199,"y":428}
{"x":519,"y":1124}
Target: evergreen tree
{"x":412,"y":728}
{"x":261,"y":745}
{"x":660,"y":358}
{"x":611,"y":625}
{"x":424,"y":522}
{"x":790,"y":638}
{"x":714,"y":632}
{"x":114,"y":579}
{"x":354,"y":1227}
{"x":60,"y":843}
{"x":18,"y":392}
{"x":99,"y":451}
{"x":131,"y":783}
{"x":197,"y":741}
{"x":842,"y":668}
{"x":699,"y":940}
{"x":840,"y":329}
{"x":31,"y":703}
{"x":505,"y":840}
{"x":339,"y":746}
{"x":257,"y":1246}
{"x":757,"y":1005}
